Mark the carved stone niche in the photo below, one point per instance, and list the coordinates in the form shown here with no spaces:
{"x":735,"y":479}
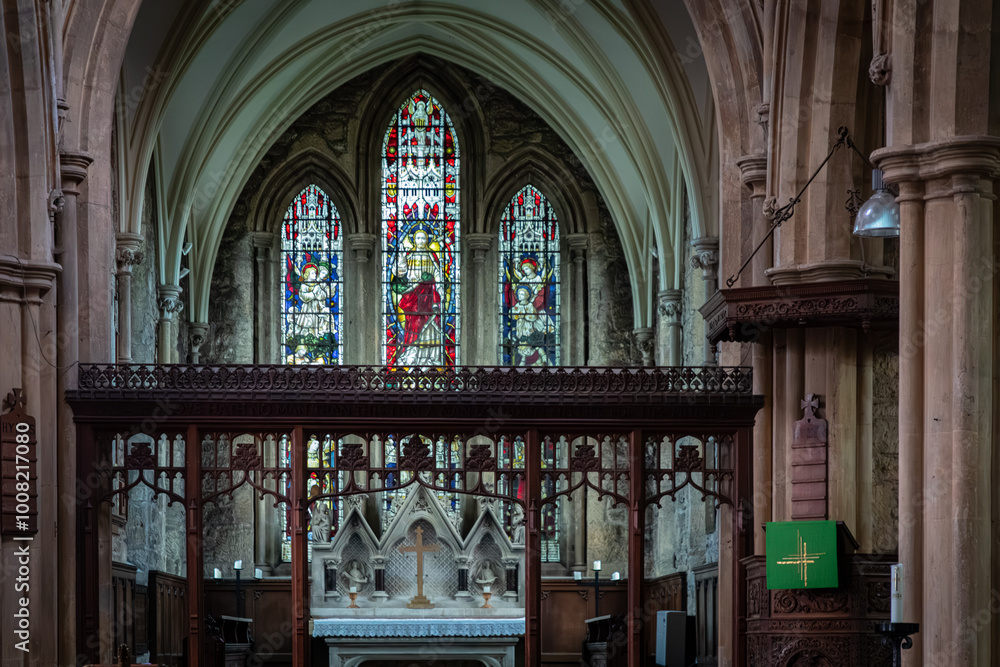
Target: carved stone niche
{"x":825,"y":626}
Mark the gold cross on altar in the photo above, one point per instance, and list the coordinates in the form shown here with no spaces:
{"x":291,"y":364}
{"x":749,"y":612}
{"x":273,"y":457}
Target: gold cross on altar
{"x":419,"y":602}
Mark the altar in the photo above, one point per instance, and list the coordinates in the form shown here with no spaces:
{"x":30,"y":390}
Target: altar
{"x":352,"y":641}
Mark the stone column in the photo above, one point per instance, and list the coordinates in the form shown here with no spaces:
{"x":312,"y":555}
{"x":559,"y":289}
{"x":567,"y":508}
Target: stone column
{"x":477,"y":304}
{"x":168,"y":298}
{"x":127,"y":255}
{"x":645,"y":341}
{"x":946,"y":400}
{"x":264,"y":307}
{"x":378,"y":563}
{"x":510,"y":573}
{"x":706,"y":258}
{"x":73,"y":170}
{"x":753,"y":169}
{"x":462,"y":563}
{"x":361,"y":314}
{"x":198,"y":333}
{"x":577,"y":315}
{"x":669,"y":344}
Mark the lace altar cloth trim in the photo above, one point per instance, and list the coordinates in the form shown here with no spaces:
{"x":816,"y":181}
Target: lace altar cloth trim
{"x":418,"y":627}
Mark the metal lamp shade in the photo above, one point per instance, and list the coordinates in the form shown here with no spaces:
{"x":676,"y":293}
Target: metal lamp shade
{"x":879,"y":216}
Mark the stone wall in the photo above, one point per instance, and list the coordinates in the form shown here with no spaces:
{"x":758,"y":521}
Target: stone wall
{"x":885,"y":454}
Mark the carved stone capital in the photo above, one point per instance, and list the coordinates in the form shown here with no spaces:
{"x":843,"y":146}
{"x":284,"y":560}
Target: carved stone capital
{"x":26,"y":280}
{"x":880,"y":69}
{"x":168,"y":299}
{"x":362,"y":245}
{"x":479,"y":244}
{"x":197,"y":335}
{"x":262,"y":240}
{"x":645,"y":338}
{"x":669,"y":305}
{"x":977,"y":155}
{"x":753,"y":170}
{"x":579,"y":244}
{"x":706,"y":256}
{"x":73,"y":170}
{"x":127,"y":253}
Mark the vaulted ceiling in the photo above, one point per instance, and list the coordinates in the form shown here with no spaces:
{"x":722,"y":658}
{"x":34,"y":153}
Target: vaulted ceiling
{"x":206,"y":88}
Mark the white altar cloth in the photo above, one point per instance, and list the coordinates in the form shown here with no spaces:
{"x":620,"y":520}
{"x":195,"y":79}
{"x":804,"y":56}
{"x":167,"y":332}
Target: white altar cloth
{"x":418,"y":627}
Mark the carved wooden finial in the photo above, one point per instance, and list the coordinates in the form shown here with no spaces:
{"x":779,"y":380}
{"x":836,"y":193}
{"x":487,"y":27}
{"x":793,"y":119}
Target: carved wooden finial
{"x":15,"y":399}
{"x":124,"y":656}
{"x":810,"y":405}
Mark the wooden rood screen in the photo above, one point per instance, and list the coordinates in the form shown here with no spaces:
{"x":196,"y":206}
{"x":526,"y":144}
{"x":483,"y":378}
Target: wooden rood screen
{"x":526,"y":437}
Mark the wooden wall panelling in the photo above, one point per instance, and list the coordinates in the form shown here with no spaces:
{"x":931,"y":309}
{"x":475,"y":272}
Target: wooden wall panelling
{"x":168,"y":618}
{"x":268,"y":603}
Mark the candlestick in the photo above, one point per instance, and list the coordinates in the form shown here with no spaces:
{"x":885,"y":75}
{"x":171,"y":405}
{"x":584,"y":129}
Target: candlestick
{"x":486,"y":598}
{"x":597,"y":566}
{"x":354,"y":596}
{"x":896,"y":594}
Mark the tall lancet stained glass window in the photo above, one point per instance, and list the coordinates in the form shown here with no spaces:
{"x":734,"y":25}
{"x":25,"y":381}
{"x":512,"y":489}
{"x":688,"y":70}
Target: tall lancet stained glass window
{"x":311,"y":280}
{"x":529,"y":281}
{"x":420,"y":218}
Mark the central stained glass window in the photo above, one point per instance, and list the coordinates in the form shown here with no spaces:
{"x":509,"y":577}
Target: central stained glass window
{"x":420,"y":234}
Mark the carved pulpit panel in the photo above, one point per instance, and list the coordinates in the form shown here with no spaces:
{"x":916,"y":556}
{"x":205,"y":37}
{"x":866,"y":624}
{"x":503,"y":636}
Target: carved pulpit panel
{"x":809,"y":464}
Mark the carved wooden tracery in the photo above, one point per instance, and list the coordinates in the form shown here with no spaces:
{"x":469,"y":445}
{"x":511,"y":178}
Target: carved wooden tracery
{"x":519,"y":435}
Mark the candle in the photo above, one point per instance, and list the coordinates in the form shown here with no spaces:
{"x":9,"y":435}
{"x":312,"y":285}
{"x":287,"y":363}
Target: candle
{"x":578,"y":575}
{"x":486,"y":588}
{"x":238,"y":565}
{"x":896,"y":593}
{"x":615,"y":576}
{"x":597,"y":566}
{"x":258,"y":573}
{"x":218,"y":573}
{"x":354,"y":589}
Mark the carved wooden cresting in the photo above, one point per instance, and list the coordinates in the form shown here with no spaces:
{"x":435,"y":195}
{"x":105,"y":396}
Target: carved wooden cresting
{"x":197,"y":434}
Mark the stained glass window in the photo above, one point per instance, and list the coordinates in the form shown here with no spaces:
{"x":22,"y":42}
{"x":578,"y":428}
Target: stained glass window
{"x":529,"y":281}
{"x":323,"y":478}
{"x":311,"y":280}
{"x":420,"y":218}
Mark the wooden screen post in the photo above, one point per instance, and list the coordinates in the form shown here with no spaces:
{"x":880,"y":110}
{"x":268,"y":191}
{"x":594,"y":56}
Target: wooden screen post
{"x":195,"y":548}
{"x":300,"y":551}
{"x":88,"y":613}
{"x":636,"y":547}
{"x":532,"y":550}
{"x":743,"y":533}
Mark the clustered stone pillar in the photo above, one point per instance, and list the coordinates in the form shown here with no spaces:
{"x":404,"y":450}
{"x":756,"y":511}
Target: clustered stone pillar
{"x":947,"y":338}
{"x":127,"y":255}
{"x":578,"y":245}
{"x":264,"y":304}
{"x":706,"y":258}
{"x":753,"y":169}
{"x":479,"y":245}
{"x":168,"y":299}
{"x":669,"y":344}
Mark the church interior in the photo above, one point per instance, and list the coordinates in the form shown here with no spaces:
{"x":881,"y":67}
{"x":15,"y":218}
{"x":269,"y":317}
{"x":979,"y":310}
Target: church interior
{"x":544,"y":332}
